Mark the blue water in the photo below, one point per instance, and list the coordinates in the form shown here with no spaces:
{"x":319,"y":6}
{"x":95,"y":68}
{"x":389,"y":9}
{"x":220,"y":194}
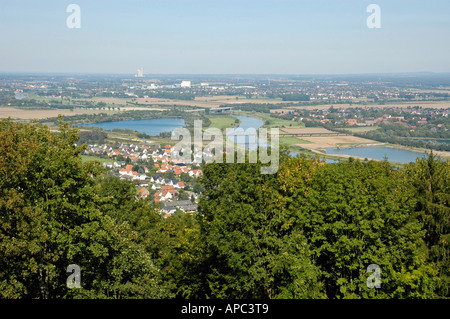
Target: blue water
{"x":252,"y":124}
{"x":152,"y":127}
{"x":378,"y":153}
{"x":249,"y":131}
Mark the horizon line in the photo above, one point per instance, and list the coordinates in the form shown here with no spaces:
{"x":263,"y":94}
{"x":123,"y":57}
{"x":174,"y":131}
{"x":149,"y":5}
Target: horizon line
{"x":222,"y":74}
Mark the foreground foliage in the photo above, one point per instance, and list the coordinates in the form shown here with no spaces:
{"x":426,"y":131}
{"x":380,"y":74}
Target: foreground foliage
{"x":52,"y":216}
{"x":308,"y":231}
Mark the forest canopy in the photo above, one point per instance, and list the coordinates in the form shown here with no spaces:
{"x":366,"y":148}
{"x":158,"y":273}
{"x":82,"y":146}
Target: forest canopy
{"x":308,"y":231}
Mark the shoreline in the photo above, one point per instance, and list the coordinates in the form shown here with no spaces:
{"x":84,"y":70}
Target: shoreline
{"x":443,"y":154}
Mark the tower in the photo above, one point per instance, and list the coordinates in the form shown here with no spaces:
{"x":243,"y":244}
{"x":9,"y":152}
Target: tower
{"x":140,"y":73}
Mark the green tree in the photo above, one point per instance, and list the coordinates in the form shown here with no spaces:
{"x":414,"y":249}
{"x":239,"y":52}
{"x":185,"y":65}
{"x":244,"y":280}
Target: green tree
{"x":178,"y":252}
{"x":252,"y":247}
{"x":50,"y":219}
{"x":359,"y":213}
{"x":430,"y":178}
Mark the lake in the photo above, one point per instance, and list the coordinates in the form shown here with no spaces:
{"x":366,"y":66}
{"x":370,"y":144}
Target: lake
{"x":152,"y":127}
{"x":378,"y":153}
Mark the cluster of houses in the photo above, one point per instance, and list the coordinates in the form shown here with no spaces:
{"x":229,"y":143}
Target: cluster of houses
{"x":352,"y":117}
{"x":165,"y":190}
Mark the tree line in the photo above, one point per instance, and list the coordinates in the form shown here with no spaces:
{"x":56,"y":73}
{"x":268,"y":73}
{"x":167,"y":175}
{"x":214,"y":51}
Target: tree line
{"x":308,"y":231}
{"x":404,"y":135}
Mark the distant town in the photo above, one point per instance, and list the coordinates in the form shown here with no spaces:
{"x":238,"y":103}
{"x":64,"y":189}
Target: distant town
{"x":315,"y":114}
{"x":357,"y":89}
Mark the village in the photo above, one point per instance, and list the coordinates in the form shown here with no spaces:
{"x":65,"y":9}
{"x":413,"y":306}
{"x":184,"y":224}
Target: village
{"x":158,"y":176}
{"x":366,"y":116}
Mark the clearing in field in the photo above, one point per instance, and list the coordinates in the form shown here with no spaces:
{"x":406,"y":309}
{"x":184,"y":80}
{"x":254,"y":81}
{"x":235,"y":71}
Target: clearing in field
{"x":316,"y":143}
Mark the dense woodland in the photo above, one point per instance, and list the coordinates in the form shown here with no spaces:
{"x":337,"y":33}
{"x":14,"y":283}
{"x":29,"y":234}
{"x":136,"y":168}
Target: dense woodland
{"x":308,"y":231}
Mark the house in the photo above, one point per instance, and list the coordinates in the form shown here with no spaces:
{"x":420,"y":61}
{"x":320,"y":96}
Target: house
{"x":156,"y":186}
{"x":132,"y":157}
{"x":140,"y":177}
{"x":155,"y":148}
{"x":180,"y":184}
{"x":157,"y":179}
{"x":114,"y":153}
{"x":195,"y":172}
{"x":108,"y":165}
{"x":168,"y":187}
{"x":161,"y":159}
{"x":168,"y":210}
{"x":143,"y":183}
{"x":165,"y":194}
{"x":118,"y":164}
{"x":183,"y":205}
{"x":177,"y":171}
{"x":143,"y":156}
{"x":163,"y":169}
{"x":128,"y":170}
{"x":143,"y":192}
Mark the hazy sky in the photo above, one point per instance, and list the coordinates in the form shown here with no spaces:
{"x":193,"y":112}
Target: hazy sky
{"x":226,"y":36}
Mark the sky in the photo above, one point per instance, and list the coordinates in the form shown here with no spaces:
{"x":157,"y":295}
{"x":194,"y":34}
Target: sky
{"x":225,"y":37}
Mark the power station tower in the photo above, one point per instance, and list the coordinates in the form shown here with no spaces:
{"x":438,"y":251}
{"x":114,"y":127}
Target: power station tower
{"x":140,"y":73}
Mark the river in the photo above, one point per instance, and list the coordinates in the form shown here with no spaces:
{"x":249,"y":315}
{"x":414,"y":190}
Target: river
{"x":246,"y":133}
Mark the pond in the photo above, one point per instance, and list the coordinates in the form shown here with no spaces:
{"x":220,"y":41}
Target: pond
{"x":378,"y":153}
{"x":152,"y":127}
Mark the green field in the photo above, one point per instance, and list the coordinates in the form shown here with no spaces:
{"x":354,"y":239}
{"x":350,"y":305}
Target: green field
{"x":222,"y":121}
{"x":90,"y":158}
{"x":273,"y":122}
